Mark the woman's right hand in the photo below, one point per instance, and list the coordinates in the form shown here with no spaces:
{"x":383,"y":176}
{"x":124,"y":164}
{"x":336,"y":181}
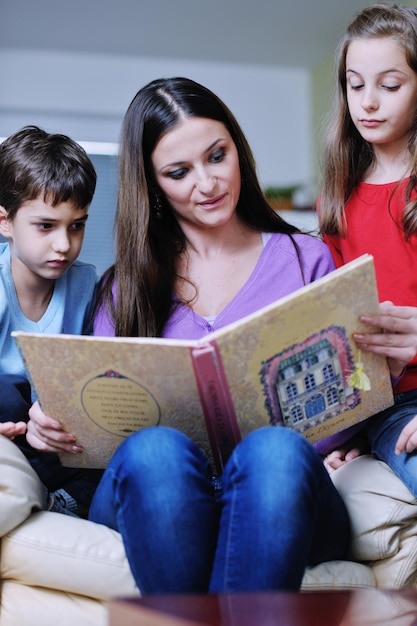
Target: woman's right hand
{"x":47,"y":434}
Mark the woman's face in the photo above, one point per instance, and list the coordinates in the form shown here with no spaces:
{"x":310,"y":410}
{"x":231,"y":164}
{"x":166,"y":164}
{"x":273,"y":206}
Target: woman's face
{"x":196,"y":166}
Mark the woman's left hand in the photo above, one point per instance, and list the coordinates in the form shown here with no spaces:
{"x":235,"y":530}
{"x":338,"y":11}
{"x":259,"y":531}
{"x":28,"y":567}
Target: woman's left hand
{"x":398,"y":339}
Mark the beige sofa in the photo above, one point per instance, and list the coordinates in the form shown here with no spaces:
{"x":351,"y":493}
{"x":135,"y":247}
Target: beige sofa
{"x":56,"y":569}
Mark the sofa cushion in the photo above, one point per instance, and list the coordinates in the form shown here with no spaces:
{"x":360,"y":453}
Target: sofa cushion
{"x":21,"y":491}
{"x":383,"y":516}
{"x":338,"y":575}
{"x":33,"y":606}
{"x":68,"y":554}
{"x":377,"y":607}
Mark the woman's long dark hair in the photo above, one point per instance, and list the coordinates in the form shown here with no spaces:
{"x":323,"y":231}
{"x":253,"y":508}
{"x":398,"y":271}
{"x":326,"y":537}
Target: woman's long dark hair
{"x":149,"y":238}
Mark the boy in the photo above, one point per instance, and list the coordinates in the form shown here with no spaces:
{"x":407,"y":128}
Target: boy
{"x":47,"y":183}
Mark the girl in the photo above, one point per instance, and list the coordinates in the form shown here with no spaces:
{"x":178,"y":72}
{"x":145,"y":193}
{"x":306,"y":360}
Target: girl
{"x":369,"y":204}
{"x":197,"y":248}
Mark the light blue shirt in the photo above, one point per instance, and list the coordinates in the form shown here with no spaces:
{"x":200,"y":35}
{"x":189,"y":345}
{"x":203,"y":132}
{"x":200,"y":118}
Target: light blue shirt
{"x":67,"y":312}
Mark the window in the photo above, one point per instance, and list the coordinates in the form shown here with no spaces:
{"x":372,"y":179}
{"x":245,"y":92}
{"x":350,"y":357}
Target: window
{"x":328,"y":373}
{"x":98,"y":247}
{"x":291,"y":391}
{"x":309,"y":382}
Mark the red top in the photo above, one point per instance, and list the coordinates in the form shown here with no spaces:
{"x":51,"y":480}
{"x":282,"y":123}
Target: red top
{"x":373,"y":218}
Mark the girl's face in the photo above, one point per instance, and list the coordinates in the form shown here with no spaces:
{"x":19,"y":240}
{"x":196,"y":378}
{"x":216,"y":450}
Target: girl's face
{"x":196,"y":166}
{"x":381,"y":91}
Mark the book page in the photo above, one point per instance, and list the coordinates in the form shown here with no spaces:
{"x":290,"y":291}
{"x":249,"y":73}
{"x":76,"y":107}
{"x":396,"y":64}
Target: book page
{"x":290,"y":364}
{"x":104,"y":389}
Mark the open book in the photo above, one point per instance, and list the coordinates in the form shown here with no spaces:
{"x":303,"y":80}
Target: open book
{"x":291,"y":363}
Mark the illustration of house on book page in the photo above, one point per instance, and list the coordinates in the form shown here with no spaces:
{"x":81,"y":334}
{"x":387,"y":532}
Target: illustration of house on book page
{"x":307,"y":384}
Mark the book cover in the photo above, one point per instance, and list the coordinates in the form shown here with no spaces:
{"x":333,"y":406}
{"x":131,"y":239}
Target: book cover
{"x":289,"y":364}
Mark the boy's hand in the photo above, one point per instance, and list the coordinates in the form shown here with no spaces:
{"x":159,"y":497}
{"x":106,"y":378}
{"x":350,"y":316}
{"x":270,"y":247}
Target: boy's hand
{"x":12,"y":429}
{"x":398,"y":339}
{"x":46,"y":434}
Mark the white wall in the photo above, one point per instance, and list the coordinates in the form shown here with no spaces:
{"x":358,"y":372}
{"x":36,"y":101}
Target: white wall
{"x":85,"y":96}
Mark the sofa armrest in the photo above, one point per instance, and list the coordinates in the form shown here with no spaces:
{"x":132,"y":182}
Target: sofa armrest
{"x":21,"y":491}
{"x":383,"y":515}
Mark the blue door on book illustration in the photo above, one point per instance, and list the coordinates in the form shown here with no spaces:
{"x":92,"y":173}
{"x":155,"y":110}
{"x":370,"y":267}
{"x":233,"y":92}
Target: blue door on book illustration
{"x":315,"y":406}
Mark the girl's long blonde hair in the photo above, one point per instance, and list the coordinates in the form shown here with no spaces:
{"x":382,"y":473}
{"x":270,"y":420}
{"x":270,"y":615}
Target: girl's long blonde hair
{"x":346,"y":155}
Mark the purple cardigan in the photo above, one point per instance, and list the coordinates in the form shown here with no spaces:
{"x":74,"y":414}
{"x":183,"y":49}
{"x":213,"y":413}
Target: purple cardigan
{"x":276,"y":274}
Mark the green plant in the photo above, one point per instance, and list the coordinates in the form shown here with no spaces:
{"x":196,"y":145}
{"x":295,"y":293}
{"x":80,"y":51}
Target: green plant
{"x":274,"y":193}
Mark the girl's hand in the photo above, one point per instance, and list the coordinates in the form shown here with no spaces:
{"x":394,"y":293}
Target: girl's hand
{"x":12,"y":429}
{"x":407,"y":441}
{"x":46,"y":434}
{"x":398,"y":339}
{"x":356,"y":446}
{"x":337,"y":458}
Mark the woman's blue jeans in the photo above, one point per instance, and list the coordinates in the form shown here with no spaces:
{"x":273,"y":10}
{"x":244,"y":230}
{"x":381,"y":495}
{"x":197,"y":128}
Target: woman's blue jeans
{"x":383,"y":431}
{"x":273,"y":511}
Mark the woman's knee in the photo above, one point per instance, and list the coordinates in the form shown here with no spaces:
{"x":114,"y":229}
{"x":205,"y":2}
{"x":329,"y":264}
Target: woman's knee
{"x":144,"y":450}
{"x":275,"y":457}
{"x":274,"y":442}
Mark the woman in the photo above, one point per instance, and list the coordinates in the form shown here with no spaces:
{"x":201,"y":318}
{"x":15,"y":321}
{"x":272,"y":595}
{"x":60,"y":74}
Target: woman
{"x":197,"y":248}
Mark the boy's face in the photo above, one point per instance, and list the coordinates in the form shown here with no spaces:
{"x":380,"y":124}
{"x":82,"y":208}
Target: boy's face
{"x":44,"y":239}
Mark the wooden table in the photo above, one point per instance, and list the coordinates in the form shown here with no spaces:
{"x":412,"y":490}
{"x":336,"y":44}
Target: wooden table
{"x":362,"y":607}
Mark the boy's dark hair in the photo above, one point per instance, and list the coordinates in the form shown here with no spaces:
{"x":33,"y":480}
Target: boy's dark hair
{"x":33,"y":163}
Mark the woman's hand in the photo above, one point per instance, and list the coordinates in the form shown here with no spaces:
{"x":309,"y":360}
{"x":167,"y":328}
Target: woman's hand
{"x":47,"y":434}
{"x":398,"y":339}
{"x":12,"y":429}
